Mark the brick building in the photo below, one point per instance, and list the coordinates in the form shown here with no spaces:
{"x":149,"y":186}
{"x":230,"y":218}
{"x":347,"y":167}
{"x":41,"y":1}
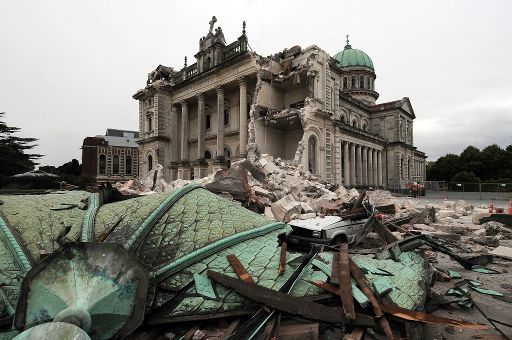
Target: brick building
{"x":112,"y":157}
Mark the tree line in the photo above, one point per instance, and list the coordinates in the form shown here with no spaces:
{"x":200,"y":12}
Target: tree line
{"x":15,"y":158}
{"x":491,"y":164}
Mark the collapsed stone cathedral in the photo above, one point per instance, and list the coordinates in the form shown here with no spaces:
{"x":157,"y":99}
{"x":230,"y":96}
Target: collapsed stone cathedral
{"x":300,"y":104}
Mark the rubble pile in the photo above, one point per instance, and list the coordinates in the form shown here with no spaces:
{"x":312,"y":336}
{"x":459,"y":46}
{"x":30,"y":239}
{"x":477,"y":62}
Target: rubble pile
{"x":467,"y":249}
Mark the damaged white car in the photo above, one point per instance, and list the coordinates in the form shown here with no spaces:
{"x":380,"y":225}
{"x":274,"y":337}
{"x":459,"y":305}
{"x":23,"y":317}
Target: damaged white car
{"x":329,"y":230}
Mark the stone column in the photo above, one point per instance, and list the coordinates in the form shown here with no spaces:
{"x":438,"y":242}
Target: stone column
{"x":375,"y":170}
{"x":359,"y":166}
{"x":184,"y":166}
{"x":370,"y":167}
{"x":220,"y":122}
{"x":346,"y":164}
{"x":184,"y":131}
{"x":220,"y":162}
{"x":379,"y":164}
{"x":175,"y":143}
{"x":365,"y":166}
{"x":243,"y":118}
{"x":200,"y":126}
{"x":353,"y":164}
{"x":200,"y":167}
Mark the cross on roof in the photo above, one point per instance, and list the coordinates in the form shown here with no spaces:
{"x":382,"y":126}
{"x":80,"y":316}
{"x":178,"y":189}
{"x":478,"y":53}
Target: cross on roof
{"x":347,"y":39}
{"x":212,"y":22}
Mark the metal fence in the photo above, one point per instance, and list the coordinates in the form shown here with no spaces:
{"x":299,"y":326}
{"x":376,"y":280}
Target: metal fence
{"x":479,"y":187}
{"x":468,"y":187}
{"x":435,"y":185}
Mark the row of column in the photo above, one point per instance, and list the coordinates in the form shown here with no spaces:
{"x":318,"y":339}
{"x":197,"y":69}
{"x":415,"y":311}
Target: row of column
{"x":411,"y":169}
{"x":362,"y":165}
{"x":419,"y":168}
{"x":180,"y":151}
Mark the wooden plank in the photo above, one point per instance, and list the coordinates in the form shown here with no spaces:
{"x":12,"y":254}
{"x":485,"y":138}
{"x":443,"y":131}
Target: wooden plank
{"x":356,"y":293}
{"x":359,"y":201}
{"x":207,"y":316}
{"x":335,"y":269}
{"x":358,"y":275}
{"x":356,"y":334}
{"x":287,"y":303}
{"x":299,"y":331}
{"x":345,"y":283}
{"x":282,"y":258}
{"x":413,"y":315}
{"x":239,"y":268}
{"x":231,"y":328}
{"x":190,"y":332}
{"x":384,"y":232}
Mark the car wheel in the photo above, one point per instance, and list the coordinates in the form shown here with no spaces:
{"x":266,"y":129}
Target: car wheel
{"x":339,"y":240}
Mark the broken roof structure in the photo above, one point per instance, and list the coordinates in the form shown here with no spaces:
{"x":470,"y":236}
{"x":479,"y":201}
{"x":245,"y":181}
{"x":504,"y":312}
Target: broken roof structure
{"x":177,"y":241}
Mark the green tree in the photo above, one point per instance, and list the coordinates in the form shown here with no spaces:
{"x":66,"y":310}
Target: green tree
{"x":13,"y":156}
{"x":444,"y":168}
{"x":70,"y":168}
{"x":465,"y":177}
{"x":495,"y":160}
{"x":471,"y":157}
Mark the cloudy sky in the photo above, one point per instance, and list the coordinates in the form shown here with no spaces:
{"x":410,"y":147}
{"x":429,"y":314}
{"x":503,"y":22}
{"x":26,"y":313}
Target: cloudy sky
{"x":68,"y":69}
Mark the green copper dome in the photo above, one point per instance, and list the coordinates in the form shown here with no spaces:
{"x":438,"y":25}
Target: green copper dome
{"x":353,"y":57}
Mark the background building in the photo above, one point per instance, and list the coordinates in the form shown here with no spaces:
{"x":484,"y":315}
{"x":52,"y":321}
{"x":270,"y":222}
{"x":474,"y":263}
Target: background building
{"x":113,"y":157}
{"x":317,"y":110}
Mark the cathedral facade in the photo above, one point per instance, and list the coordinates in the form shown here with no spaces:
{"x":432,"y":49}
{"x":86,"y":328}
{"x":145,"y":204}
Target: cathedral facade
{"x":303,"y":105}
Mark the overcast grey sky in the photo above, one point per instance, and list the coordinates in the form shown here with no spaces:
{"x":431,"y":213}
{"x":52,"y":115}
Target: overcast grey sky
{"x":68,"y":69}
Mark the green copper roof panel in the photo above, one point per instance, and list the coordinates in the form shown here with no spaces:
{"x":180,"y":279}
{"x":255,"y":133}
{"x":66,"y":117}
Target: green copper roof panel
{"x":32,"y":218}
{"x":263,"y":266}
{"x":197,"y":219}
{"x":409,"y":276}
{"x":122,"y":218}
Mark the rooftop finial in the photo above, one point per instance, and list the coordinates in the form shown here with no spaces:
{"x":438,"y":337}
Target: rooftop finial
{"x":243,"y":28}
{"x":212,"y":22}
{"x":347,"y":46}
{"x":185,"y":62}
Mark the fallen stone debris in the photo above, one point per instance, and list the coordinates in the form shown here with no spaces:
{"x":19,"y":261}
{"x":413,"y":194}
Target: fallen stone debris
{"x":261,"y":250}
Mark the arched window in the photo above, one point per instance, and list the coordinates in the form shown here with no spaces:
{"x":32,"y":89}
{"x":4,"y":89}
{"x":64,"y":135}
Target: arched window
{"x":150,"y":162}
{"x":227,"y":153}
{"x":361,"y":82}
{"x":207,"y":63}
{"x":353,"y":85}
{"x":208,"y":122}
{"x":401,"y":168}
{"x":128,"y":165}
{"x":354,"y":122}
{"x":207,"y":155}
{"x":103,"y":165}
{"x":312,"y":155}
{"x":343,"y":120}
{"x":149,"y":123}
{"x":115,"y":165}
{"x":364,"y":127}
{"x":345,"y":83}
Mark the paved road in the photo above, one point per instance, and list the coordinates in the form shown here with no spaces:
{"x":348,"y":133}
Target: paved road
{"x":477,"y":199}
